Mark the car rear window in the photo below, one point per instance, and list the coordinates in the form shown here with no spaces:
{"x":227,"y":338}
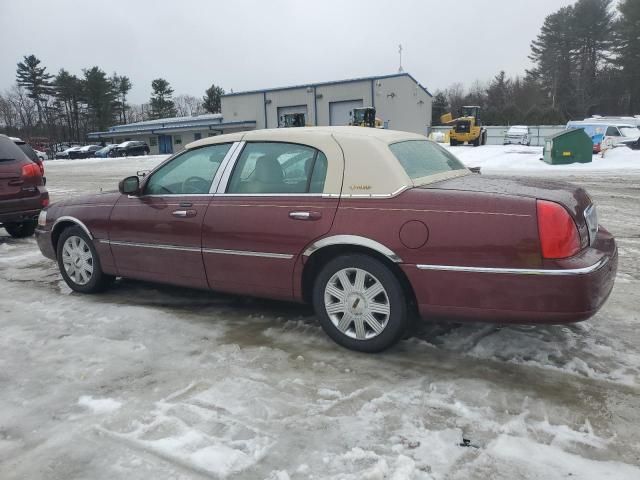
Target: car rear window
{"x":9,"y":151}
{"x":28,"y":151}
{"x":422,"y":158}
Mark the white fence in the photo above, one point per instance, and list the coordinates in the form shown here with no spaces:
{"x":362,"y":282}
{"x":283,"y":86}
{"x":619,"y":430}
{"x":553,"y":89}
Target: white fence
{"x":496,"y":133}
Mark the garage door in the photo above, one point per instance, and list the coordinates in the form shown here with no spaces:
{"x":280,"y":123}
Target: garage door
{"x":339,"y":111}
{"x":293,"y":109}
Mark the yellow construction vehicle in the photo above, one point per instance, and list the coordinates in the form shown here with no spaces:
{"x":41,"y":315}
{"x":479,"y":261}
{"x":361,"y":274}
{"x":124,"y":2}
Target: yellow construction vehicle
{"x":292,"y":120}
{"x":365,"y":117}
{"x":466,"y":128}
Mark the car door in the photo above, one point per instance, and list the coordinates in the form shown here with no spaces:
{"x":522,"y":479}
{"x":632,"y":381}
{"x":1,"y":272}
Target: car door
{"x":157,"y":234}
{"x":269,"y":207}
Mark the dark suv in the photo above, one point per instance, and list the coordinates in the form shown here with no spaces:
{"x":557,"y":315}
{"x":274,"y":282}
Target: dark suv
{"x":130,"y":148}
{"x":22,"y":190}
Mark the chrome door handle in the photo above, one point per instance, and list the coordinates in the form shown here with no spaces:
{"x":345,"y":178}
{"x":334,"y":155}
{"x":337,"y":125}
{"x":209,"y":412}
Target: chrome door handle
{"x":183,"y":213}
{"x":305,"y":215}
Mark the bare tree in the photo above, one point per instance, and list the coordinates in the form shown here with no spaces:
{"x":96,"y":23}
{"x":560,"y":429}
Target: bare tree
{"x":188,"y":105}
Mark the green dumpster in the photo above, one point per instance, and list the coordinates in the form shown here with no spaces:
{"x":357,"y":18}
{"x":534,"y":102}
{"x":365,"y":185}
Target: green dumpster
{"x":568,"y":146}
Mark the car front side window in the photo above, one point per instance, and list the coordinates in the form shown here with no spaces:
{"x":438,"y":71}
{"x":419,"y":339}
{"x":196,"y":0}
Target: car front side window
{"x":190,"y":173}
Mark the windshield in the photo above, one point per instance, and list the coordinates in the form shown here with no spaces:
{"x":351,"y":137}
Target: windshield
{"x":422,"y":158}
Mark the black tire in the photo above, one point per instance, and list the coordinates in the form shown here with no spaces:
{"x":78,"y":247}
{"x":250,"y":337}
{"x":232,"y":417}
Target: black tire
{"x":453,"y":142}
{"x":20,"y":229}
{"x":397,"y":321}
{"x":98,"y":280}
{"x":476,"y":142}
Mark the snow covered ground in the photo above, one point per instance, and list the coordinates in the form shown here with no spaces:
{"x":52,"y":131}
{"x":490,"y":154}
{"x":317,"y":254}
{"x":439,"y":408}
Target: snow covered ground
{"x":148,"y":381}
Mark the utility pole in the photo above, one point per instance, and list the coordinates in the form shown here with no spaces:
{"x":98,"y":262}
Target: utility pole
{"x":400,"y":70}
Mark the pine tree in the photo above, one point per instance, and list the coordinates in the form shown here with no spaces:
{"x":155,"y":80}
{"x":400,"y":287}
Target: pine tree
{"x":162,"y":105}
{"x":100,"y":98}
{"x":627,"y":49}
{"x":69,"y":92}
{"x":122,"y":85}
{"x":35,"y":80}
{"x":591,"y":32}
{"x":438,"y":107}
{"x":211,"y":100}
{"x":552,"y":54}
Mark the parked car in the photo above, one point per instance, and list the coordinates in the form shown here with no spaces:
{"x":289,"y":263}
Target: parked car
{"x":518,"y":134}
{"x":41,"y":155}
{"x":366,"y":224}
{"x":29,"y":152}
{"x":104,"y":151}
{"x":71,"y":152}
{"x":607,"y":135}
{"x":22,"y":190}
{"x":130,"y":148}
{"x":88,"y":151}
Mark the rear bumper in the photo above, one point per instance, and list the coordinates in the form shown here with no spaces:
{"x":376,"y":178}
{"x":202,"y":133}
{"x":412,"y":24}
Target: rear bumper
{"x":23,"y":209}
{"x":562,"y":291}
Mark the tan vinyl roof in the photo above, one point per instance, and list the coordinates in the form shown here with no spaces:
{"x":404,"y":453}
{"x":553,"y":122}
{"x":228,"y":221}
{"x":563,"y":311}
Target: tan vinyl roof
{"x":371,"y":168}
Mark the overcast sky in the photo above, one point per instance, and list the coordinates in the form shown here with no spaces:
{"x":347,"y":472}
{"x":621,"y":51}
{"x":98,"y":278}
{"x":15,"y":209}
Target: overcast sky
{"x":243,"y":45}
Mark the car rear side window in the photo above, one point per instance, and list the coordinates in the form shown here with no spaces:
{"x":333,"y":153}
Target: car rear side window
{"x":422,"y":158}
{"x":190,"y":173}
{"x":274,"y":167}
{"x":9,"y":151}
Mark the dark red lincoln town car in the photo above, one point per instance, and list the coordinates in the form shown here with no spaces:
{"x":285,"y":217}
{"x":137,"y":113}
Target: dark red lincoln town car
{"x":368,"y":225}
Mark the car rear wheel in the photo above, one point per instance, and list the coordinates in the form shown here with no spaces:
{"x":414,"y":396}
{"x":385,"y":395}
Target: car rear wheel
{"x":20,"y":229}
{"x":79,"y":263}
{"x":360,"y":303}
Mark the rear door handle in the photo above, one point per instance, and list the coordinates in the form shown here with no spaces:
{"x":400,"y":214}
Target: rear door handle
{"x":305,"y":215}
{"x":184,"y":213}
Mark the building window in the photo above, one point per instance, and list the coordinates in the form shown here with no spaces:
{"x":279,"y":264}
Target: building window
{"x":153,"y":141}
{"x":197,"y":136}
{"x":177,"y":139}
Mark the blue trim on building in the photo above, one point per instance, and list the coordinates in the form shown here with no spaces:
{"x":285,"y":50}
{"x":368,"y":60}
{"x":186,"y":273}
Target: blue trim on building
{"x":335,"y":82}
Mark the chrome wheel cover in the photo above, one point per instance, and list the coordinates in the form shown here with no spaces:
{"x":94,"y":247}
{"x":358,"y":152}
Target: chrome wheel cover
{"x":77,"y":260}
{"x":357,"y":304}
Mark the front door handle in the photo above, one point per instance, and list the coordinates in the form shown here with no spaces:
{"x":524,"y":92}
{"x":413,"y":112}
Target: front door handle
{"x":305,"y":215}
{"x":184,"y":213}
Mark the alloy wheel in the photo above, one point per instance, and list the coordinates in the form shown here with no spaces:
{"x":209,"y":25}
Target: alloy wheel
{"x":357,"y":303}
{"x":77,"y":260}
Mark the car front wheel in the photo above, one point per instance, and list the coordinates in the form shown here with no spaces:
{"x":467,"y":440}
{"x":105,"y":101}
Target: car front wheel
{"x":360,"y":303}
{"x":79,"y":263}
{"x":20,"y":229}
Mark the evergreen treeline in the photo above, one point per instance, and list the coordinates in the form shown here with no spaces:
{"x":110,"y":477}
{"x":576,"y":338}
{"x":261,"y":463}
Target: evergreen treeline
{"x":67,"y":106}
{"x":586,"y":61}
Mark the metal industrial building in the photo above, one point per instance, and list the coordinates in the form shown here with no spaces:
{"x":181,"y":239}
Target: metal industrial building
{"x":401,"y":102}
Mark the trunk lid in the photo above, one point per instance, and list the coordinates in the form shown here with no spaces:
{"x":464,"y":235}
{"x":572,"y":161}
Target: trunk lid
{"x":574,"y":198}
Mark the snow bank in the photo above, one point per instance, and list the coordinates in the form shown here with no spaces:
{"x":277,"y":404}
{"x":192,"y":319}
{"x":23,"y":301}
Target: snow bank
{"x":506,"y":158}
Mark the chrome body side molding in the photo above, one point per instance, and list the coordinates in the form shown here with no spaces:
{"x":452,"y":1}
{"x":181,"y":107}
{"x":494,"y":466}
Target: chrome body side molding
{"x":519,"y":271}
{"x":352,"y":240}
{"x":67,"y":218}
{"x":151,"y":245}
{"x":246,"y":253}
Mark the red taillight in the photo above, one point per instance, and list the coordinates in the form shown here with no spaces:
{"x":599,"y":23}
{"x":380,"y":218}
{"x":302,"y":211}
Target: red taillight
{"x":31,"y":170}
{"x":45,"y":202}
{"x":41,"y":165}
{"x":559,"y":237}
